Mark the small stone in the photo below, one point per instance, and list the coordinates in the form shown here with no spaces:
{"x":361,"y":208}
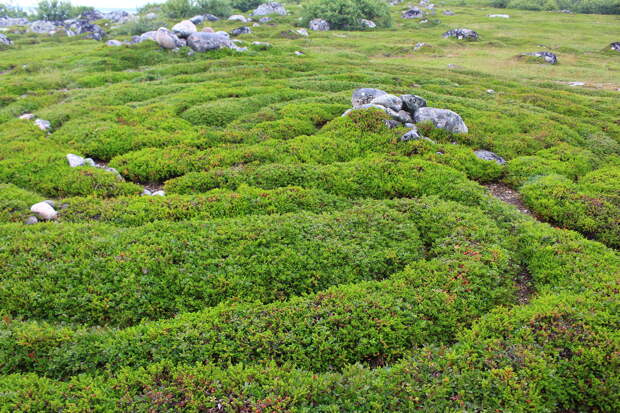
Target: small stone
{"x":302,"y":32}
{"x":462,"y":34}
{"x":114,"y":43}
{"x":547,"y":57}
{"x":265,"y":19}
{"x":411,"y":135}
{"x":391,"y":123}
{"x":298,"y":53}
{"x":27,"y":116}
{"x":412,"y":13}
{"x":159,"y":193}
{"x":241,"y":30}
{"x":369,"y":24}
{"x":489,"y":156}
{"x":499,"y":16}
{"x":31,"y":220}
{"x":146,"y":192}
{"x":44,"y":211}
{"x":448,"y":13}
{"x":576,"y":83}
{"x":490,"y":91}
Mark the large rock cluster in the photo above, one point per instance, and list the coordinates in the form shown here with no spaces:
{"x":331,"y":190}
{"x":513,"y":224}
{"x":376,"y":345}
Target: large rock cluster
{"x":406,"y":110}
{"x":462,"y":34}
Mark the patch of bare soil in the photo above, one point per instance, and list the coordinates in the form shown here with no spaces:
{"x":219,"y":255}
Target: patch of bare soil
{"x":510,"y":196}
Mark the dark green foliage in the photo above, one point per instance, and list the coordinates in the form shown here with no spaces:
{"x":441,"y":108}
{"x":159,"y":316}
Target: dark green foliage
{"x":246,"y":5}
{"x":346,"y":14}
{"x":15,"y":203}
{"x":55,"y":10}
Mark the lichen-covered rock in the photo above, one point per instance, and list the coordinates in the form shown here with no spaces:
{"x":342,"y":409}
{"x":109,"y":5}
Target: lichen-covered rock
{"x":489,"y":156}
{"x":318,"y":25}
{"x":442,"y":119}
{"x":84,"y":27}
{"x":389,"y":101}
{"x":203,"y":41}
{"x":184,"y":29}
{"x":411,"y":135}
{"x":42,"y":27}
{"x":413,"y":13}
{"x":547,"y":57}
{"x":268,"y":8}
{"x":365,"y":95}
{"x":462,"y":34}
{"x":411,"y":103}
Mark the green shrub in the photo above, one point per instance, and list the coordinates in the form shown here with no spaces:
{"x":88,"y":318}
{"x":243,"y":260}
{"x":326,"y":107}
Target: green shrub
{"x":378,"y":177}
{"x":578,"y":6}
{"x":132,"y":211}
{"x":374,"y":322}
{"x":15,"y":203}
{"x":162,"y":269}
{"x":55,"y":10}
{"x":591,"y":208}
{"x":246,"y":5}
{"x":346,"y":14}
{"x":220,"y":8}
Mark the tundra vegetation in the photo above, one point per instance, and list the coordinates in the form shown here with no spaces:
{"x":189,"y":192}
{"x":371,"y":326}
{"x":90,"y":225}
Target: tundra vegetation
{"x":206,"y":231}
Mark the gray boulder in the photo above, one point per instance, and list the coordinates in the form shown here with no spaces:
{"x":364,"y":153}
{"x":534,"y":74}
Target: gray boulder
{"x":197,"y":19}
{"x":211,"y":17}
{"x":441,"y":118}
{"x":166,"y":39}
{"x":75,"y":160}
{"x":239,"y":18}
{"x":31,"y":220}
{"x":547,"y":57}
{"x":365,"y":95}
{"x":204,"y":41}
{"x":411,"y":103}
{"x":404,"y":117}
{"x":462,"y":34}
{"x":318,"y":25}
{"x":369,"y":24}
{"x":241,"y":30}
{"x":388,"y":101}
{"x":184,"y":29}
{"x":42,"y":27}
{"x":615,"y":46}
{"x":489,"y":156}
{"x":271,"y":7}
{"x":265,"y":19}
{"x":413,"y":13}
{"x":5,"y":41}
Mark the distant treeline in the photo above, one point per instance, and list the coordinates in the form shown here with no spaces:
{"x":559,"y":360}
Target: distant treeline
{"x":576,"y":6}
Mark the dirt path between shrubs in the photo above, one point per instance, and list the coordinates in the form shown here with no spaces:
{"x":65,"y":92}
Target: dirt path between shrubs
{"x":523,"y":279}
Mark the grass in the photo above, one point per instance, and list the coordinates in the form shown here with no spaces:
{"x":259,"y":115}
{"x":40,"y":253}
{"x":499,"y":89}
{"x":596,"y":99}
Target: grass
{"x":304,"y":261}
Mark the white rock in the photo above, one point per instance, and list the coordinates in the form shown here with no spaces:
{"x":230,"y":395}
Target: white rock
{"x":44,"y":211}
{"x":27,"y":116}
{"x":499,"y":16}
{"x":43,"y":124}
{"x":159,"y":193}
{"x":75,"y":160}
{"x":239,"y":18}
{"x":303,"y":32}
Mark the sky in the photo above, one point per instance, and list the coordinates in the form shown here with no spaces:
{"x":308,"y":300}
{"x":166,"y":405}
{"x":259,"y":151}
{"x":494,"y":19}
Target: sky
{"x":124,"y":4}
